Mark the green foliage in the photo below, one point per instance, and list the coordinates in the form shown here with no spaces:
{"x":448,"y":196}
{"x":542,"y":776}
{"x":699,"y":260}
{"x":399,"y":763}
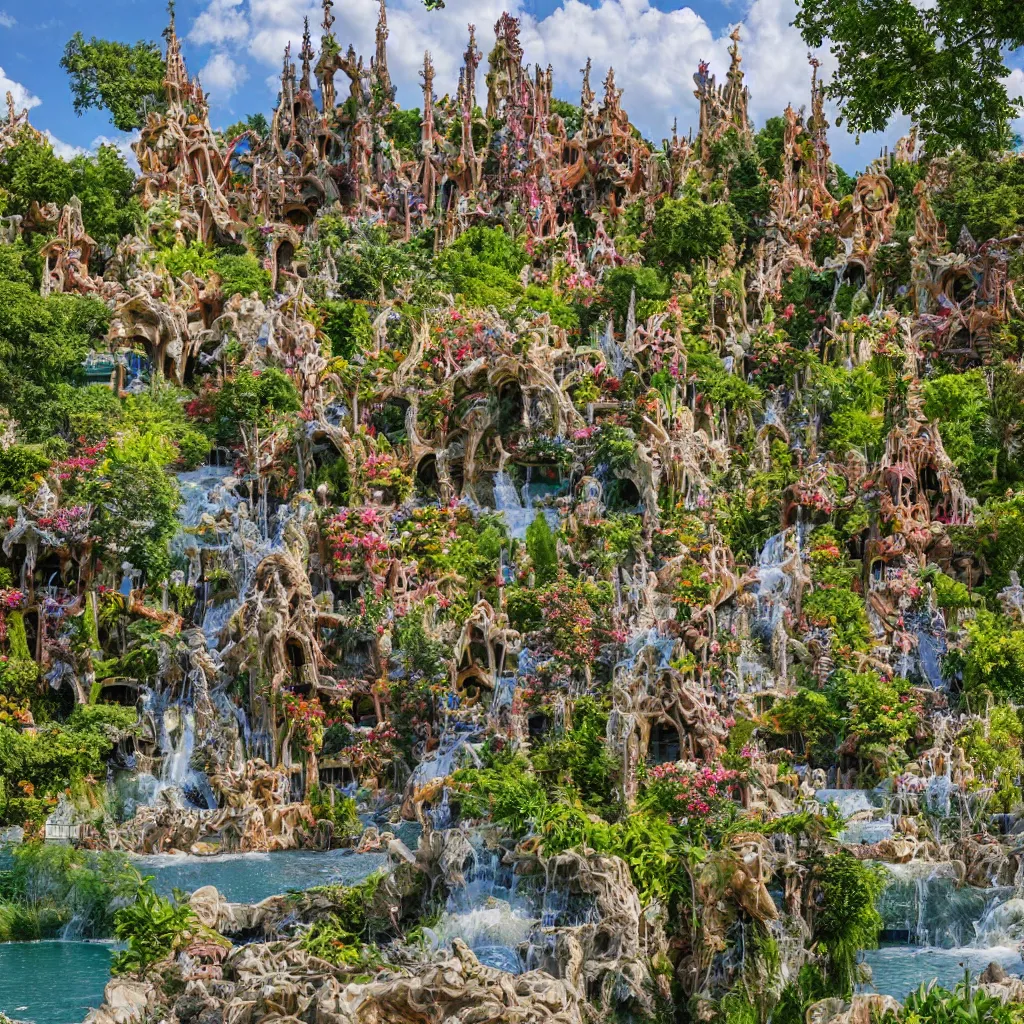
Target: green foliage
{"x":508,"y":793}
{"x":35,"y":767}
{"x":339,"y":937}
{"x":18,"y":464}
{"x":481,"y":268}
{"x":348,"y":326}
{"x":620,"y":283}
{"x":370,"y":265}
{"x":255,"y":123}
{"x":984,"y":195}
{"x":242,"y":274}
{"x":134,"y":500}
{"x":966,"y":1004}
{"x":127,"y":80}
{"x":616,"y":446}
{"x":404,"y":128}
{"x":941,"y":64}
{"x":571,"y":115}
{"x":153,"y":928}
{"x":770,"y":143}
{"x":997,"y":539}
{"x":687,"y":231}
{"x":993,"y":747}
{"x":250,"y":400}
{"x":856,"y":714}
{"x":993,"y":660}
{"x":846,"y":919}
{"x":540,"y":543}
{"x":32,"y":173}
{"x":15,"y":260}
{"x":959,"y":402}
{"x":580,"y":759}
{"x":43,"y":342}
{"x":842,"y":610}
{"x":43,"y":887}
{"x":341,"y":812}
{"x":95,"y":412}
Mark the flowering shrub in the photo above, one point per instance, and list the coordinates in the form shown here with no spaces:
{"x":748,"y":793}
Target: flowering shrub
{"x":87,"y":460}
{"x":572,"y":623}
{"x":307,"y":717}
{"x":357,"y":542}
{"x":374,"y":750}
{"x":705,"y":795}
{"x":693,"y":587}
{"x":14,"y":712}
{"x":383,"y":471}
{"x":69,"y":525}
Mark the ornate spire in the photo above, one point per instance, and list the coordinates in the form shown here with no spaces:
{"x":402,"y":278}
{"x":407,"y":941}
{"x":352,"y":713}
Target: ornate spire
{"x":587,"y":102}
{"x":819,"y":125}
{"x":328,"y":22}
{"x":472,"y":62}
{"x":288,"y":72}
{"x":586,"y":93}
{"x":737,"y":93}
{"x":379,"y":65}
{"x":176,"y":75}
{"x":427,"y":124}
{"x":306,"y":85}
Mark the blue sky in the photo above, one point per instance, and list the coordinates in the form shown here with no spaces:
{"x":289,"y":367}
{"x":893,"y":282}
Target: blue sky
{"x":236,"y":45}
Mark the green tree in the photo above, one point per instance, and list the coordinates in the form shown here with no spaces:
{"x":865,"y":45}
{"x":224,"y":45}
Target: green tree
{"x":134,"y":500}
{"x":125,"y":79}
{"x":985,"y":196}
{"x":404,"y":129}
{"x":32,"y":173}
{"x":255,"y":123}
{"x":540,"y":543}
{"x":43,"y":342}
{"x":942,"y":64}
{"x":993,"y":661}
{"x":153,"y":928}
{"x":348,"y":326}
{"x":251,"y":399}
{"x":687,"y":231}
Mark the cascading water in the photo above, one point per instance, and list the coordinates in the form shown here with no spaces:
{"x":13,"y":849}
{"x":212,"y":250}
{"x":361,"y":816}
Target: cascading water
{"x":517,"y":505}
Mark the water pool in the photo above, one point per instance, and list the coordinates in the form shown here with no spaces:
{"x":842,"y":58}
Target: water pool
{"x":52,"y":982}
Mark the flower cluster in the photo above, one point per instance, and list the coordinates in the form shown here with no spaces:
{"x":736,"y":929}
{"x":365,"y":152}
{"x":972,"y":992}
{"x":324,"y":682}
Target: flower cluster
{"x":357,"y":542}
{"x":706,"y":792}
{"x":87,"y":459}
{"x":69,"y":524}
{"x":307,"y":715}
{"x":384,"y":470}
{"x":15,"y":712}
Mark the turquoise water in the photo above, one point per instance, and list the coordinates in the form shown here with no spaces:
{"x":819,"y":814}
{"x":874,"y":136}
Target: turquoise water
{"x":52,"y":982}
{"x":59,"y":982}
{"x":899,"y":970}
{"x":251,"y":877}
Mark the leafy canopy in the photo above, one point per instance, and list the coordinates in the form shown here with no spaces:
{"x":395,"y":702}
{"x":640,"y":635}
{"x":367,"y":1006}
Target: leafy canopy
{"x":941,"y":64}
{"x":126,"y":79}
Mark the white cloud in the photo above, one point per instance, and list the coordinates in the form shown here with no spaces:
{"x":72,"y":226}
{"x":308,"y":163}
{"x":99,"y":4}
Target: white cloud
{"x":7,"y":20}
{"x":654,"y":52}
{"x":224,"y":21}
{"x":123,"y":144}
{"x":22,"y":97}
{"x":63,"y":149}
{"x":222,"y":75}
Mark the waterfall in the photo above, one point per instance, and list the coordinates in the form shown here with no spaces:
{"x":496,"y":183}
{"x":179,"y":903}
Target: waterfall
{"x":489,"y":913}
{"x":508,"y":501}
{"x":925,"y":905}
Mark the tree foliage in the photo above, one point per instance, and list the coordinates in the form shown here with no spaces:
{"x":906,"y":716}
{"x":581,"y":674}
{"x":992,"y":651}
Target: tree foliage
{"x":942,"y":64}
{"x":122,"y":78}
